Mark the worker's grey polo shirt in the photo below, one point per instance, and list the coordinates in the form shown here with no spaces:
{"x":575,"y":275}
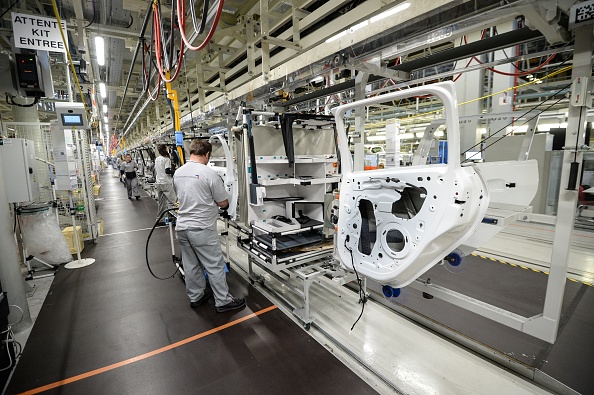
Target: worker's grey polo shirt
{"x":198,"y":188}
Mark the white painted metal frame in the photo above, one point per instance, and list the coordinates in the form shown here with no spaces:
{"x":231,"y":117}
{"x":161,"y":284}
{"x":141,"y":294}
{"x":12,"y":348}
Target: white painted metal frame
{"x":228,"y":175}
{"x":452,"y":199}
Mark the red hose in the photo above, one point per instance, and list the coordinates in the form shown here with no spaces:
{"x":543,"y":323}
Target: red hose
{"x":181,"y":19}
{"x":157,"y":41}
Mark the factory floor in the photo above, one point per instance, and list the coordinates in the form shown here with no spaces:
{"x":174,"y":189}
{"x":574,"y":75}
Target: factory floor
{"x":111,"y":328}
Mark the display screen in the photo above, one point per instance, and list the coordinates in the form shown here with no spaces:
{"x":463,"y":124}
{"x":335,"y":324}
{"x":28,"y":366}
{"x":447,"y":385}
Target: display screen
{"x":72,"y":119}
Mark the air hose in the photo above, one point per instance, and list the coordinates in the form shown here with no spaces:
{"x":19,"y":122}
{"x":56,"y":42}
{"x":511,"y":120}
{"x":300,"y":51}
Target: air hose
{"x":173,"y":256}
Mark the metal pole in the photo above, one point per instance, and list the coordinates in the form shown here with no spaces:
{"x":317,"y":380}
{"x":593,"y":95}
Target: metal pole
{"x":68,"y":83}
{"x":10,"y":272}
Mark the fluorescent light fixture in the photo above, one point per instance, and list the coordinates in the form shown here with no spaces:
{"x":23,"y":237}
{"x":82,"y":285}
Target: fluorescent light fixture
{"x":376,"y":138}
{"x":405,"y":136}
{"x":100,"y":50}
{"x":563,"y":125}
{"x":103,"y":90}
{"x":419,"y":134}
{"x":390,"y":12}
{"x":482,"y":130}
{"x":337,"y":36}
{"x":544,"y":128}
{"x":317,"y":79}
{"x":107,"y":128}
{"x":105,"y":108}
{"x":105,"y":119}
{"x":358,"y":26}
{"x":439,"y":133}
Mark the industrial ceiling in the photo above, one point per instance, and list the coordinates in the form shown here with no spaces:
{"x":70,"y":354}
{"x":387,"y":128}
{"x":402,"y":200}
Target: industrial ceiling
{"x":285,"y":54}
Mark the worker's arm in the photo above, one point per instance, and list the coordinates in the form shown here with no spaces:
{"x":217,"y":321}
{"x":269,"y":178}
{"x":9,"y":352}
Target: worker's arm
{"x":224,"y":204}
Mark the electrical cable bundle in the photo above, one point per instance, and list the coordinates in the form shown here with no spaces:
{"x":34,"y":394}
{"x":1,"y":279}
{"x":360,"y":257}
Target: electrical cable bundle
{"x":181,"y":19}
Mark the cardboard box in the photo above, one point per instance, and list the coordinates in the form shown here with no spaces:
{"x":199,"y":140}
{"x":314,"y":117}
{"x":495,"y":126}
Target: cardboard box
{"x":69,"y":234}
{"x":96,"y":190}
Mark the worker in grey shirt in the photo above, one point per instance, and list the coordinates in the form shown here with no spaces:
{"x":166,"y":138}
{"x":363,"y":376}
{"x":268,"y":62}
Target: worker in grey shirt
{"x":164,"y":180}
{"x":129,"y":169}
{"x":200,"y":193}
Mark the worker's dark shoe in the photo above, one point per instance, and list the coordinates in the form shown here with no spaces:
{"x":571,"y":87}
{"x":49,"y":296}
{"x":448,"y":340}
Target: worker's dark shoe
{"x":207,"y":294}
{"x":129,"y":197}
{"x":137,"y":197}
{"x":236,"y":304}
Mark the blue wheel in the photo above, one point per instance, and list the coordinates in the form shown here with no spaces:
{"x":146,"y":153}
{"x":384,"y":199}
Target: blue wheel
{"x":454,"y":259}
{"x":390,"y":292}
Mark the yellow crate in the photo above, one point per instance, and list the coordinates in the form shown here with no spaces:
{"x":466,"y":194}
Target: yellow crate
{"x":67,"y":232}
{"x":96,"y":190}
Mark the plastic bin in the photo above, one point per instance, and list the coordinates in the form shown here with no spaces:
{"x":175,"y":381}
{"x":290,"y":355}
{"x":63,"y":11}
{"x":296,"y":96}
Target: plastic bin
{"x":67,"y":232}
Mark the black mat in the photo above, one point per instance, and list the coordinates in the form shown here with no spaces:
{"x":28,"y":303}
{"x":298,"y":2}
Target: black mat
{"x":114,"y":310}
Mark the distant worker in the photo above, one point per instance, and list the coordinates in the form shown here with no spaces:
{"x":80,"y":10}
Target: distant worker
{"x":129,"y":168}
{"x":164,"y":180}
{"x":201,"y":192}
{"x":119,"y":161}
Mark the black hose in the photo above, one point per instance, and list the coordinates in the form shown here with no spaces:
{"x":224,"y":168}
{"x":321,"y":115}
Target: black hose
{"x":147,"y":246}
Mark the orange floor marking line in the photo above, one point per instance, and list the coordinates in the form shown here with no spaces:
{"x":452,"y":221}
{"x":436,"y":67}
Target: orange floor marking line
{"x":146,"y":355}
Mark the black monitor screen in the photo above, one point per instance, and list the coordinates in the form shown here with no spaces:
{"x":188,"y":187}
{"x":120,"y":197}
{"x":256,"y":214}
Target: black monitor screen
{"x":72,"y":119}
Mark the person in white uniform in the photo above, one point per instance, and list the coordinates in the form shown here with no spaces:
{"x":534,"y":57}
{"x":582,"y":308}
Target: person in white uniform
{"x":200,"y":193}
{"x":129,"y":169}
{"x":164,"y":180}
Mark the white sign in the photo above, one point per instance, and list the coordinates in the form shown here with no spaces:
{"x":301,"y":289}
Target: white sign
{"x":37,"y":32}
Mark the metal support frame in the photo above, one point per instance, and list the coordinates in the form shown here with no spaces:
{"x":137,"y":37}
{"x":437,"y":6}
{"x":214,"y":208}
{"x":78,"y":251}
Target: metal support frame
{"x":360,"y":83}
{"x":318,"y":271}
{"x":251,"y":45}
{"x":547,"y":325}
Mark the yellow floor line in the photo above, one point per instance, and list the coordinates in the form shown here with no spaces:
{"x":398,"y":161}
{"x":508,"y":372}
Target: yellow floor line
{"x":526,"y":268}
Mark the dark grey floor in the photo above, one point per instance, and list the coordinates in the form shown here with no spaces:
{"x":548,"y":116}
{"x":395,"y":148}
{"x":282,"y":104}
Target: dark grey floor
{"x":114,"y":310}
{"x":569,"y":360}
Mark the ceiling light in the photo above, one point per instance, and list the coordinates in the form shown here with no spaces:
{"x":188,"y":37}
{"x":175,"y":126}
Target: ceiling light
{"x":405,"y":136}
{"x":105,"y":119}
{"x":390,"y":12}
{"x":544,"y":128}
{"x":563,"y":125}
{"x":439,"y":133}
{"x":103,"y":90}
{"x":337,"y":36}
{"x":483,"y":130}
{"x":100,"y":50}
{"x":419,"y":134}
{"x":105,"y":108}
{"x":107,"y":128}
{"x":358,"y":26}
{"x":376,"y":138}
{"x":317,"y":79}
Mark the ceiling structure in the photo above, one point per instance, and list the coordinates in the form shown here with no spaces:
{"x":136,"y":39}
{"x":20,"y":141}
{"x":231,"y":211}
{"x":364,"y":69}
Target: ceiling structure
{"x":288,"y":54}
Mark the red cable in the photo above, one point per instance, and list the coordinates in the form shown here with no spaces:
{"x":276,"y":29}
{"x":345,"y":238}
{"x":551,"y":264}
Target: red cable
{"x":534,"y":70}
{"x":157,"y":28}
{"x":181,"y":19}
{"x":523,"y":73}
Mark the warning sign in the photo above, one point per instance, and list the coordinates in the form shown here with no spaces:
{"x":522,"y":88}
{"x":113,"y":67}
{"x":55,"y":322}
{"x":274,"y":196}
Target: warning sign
{"x":37,"y":32}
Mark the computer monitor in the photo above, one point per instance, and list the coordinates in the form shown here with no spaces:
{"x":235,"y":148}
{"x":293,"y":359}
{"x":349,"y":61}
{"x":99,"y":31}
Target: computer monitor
{"x":72,"y":119}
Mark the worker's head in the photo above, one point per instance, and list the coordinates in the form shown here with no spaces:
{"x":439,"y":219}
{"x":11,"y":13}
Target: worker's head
{"x":201,"y":147}
{"x":128,"y":158}
{"x":162,"y":148}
